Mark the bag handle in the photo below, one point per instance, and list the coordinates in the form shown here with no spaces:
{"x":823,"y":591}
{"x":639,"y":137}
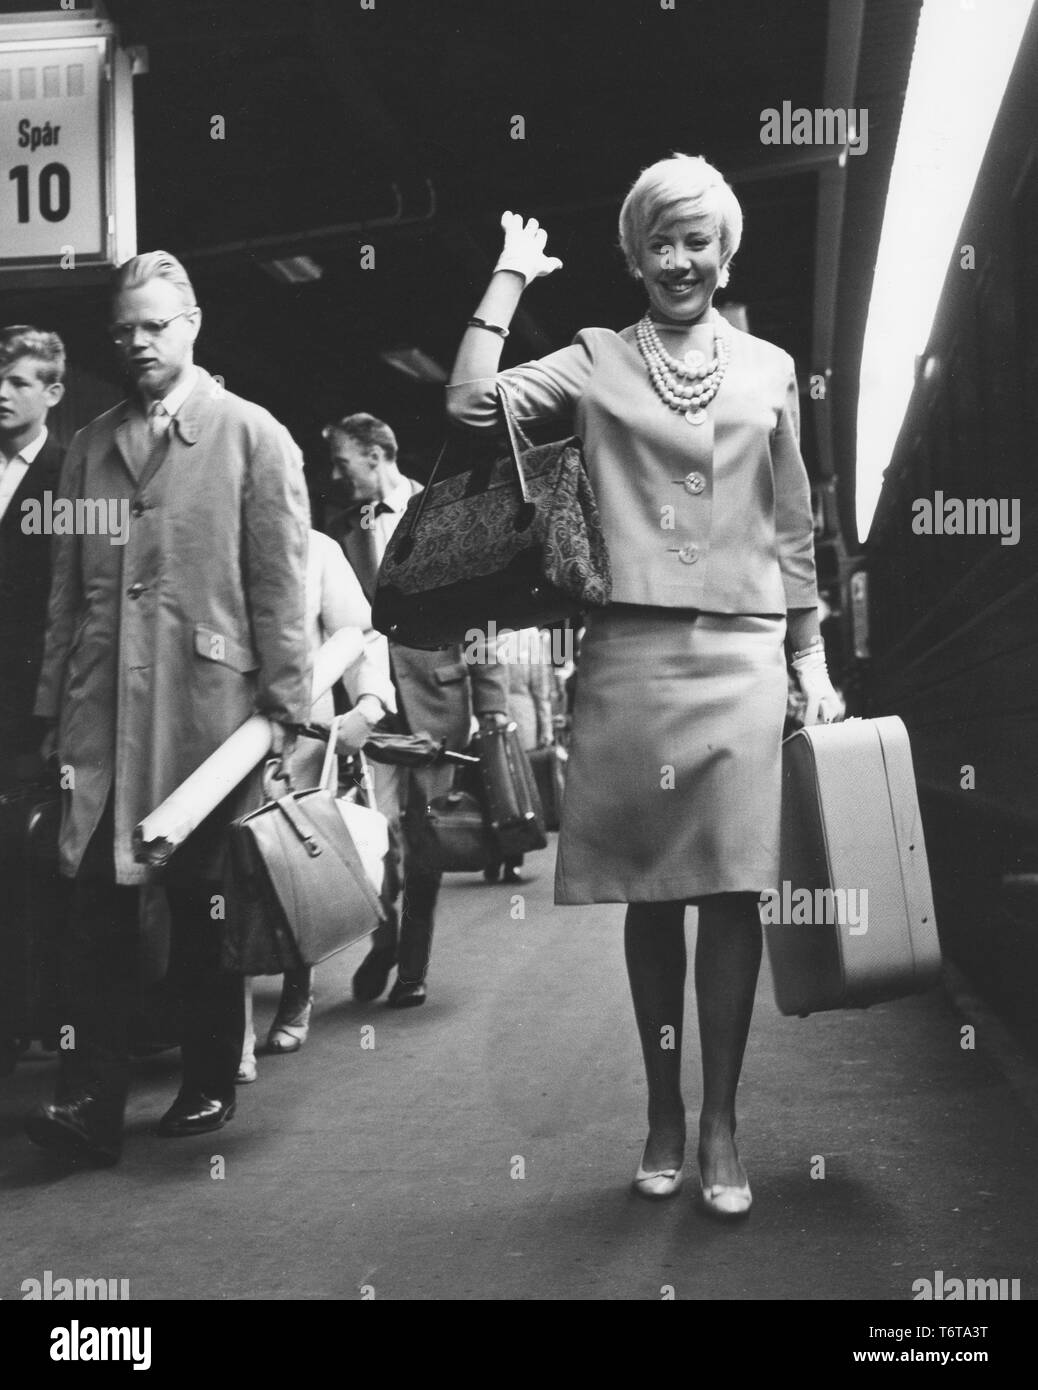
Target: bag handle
{"x":329,"y":780}
{"x":516,"y":438}
{"x":516,"y":443}
{"x":299,"y":821}
{"x":329,"y":764}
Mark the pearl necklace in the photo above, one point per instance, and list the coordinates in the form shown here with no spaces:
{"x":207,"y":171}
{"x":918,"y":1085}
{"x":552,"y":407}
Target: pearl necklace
{"x":688,"y":386}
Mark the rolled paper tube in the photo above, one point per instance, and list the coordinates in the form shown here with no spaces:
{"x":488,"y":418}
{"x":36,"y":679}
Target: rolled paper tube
{"x":184,"y":810}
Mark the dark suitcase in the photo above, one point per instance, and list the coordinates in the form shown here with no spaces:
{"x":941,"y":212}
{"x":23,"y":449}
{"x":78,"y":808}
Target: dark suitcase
{"x":32,"y":910}
{"x":454,"y":837}
{"x":513,"y":808}
{"x":850,"y":827}
{"x":549,"y":773}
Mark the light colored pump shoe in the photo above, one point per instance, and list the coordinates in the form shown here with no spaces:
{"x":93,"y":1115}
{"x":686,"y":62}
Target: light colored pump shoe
{"x":727,"y":1202}
{"x":657,"y":1184}
{"x":247,"y":1070}
{"x":290,"y":1030}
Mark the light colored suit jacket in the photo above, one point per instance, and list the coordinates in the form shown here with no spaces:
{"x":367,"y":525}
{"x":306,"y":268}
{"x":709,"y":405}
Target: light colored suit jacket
{"x":714,"y":516}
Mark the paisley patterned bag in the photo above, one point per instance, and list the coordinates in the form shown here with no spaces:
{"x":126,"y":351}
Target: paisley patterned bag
{"x":517,"y":541}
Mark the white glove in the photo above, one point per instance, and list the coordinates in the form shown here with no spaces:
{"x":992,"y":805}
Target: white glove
{"x":354,"y":730}
{"x":824,"y":703}
{"x":524,"y":248}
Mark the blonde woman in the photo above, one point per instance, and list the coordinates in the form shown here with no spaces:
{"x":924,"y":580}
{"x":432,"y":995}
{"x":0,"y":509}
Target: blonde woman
{"x":691,"y":433}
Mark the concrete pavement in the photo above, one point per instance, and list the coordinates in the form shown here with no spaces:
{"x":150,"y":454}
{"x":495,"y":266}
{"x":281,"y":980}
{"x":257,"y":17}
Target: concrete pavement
{"x":481,"y":1147}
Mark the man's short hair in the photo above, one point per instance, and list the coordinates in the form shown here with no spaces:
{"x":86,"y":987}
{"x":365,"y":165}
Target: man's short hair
{"x":47,"y":349}
{"x":365,"y":431}
{"x":154,"y":265}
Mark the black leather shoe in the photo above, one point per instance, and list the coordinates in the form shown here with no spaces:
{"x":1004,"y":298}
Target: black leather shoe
{"x":78,"y":1130}
{"x":195,"y":1113}
{"x":404,"y":995}
{"x":372,"y":975}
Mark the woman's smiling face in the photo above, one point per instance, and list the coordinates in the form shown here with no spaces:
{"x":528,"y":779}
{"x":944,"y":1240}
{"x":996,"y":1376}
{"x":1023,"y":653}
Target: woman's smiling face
{"x":680,"y":264}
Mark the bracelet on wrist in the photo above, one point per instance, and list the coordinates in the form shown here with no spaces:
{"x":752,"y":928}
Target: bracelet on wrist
{"x":815,"y":645}
{"x":490,"y":327}
{"x":810,"y":661}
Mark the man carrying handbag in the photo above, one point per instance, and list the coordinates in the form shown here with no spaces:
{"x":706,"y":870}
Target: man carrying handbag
{"x":438,"y":692}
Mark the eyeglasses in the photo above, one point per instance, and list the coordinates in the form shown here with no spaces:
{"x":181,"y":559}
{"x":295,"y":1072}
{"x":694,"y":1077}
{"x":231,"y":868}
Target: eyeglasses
{"x":122,"y":333}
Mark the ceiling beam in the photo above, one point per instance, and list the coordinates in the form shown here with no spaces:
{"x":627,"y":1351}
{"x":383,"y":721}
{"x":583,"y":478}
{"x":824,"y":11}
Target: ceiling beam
{"x":392,"y":145}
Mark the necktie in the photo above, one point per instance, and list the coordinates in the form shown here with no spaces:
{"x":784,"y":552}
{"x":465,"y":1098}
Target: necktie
{"x":363,"y":549}
{"x":158,"y":420}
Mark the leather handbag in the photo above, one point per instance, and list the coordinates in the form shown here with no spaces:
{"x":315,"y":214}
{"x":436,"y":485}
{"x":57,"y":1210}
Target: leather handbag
{"x":297,"y":890}
{"x":548,"y":766}
{"x":510,"y":797}
{"x":517,"y":541}
{"x":453,"y":836}
{"x":368,"y":828}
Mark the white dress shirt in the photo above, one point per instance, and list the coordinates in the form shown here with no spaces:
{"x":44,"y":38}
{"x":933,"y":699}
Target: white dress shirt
{"x":12,"y":471}
{"x":386,"y":522}
{"x":334,"y":600}
{"x":172,"y":402}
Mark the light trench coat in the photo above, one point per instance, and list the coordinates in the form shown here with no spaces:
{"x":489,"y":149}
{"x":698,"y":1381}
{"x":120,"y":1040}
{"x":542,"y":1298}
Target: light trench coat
{"x":159,"y":648}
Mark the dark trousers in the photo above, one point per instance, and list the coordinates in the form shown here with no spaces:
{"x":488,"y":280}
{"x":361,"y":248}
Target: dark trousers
{"x":101,"y":980}
{"x":402,"y":795}
{"x":411,"y":932}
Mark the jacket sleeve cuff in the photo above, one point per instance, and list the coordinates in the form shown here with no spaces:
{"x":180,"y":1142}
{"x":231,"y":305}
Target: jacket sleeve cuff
{"x":385,"y":695}
{"x":474,"y":403}
{"x":800,"y":592}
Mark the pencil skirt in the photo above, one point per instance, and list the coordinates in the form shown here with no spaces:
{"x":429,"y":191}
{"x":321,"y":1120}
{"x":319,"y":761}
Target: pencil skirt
{"x":674,"y":783}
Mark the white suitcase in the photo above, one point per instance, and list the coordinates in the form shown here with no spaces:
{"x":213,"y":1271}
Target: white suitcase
{"x":852,"y":922}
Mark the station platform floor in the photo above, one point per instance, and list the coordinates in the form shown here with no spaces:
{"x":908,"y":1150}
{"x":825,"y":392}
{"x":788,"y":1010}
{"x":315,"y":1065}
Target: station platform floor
{"x":482,"y":1148}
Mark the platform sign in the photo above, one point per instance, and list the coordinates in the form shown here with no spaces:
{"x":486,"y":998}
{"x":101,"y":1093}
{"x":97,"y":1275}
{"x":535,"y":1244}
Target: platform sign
{"x":66,"y":146}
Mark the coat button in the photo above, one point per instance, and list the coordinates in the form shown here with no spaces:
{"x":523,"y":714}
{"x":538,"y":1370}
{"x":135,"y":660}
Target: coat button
{"x":135,"y":590}
{"x":688,"y":554}
{"x":137,"y":509}
{"x":694,"y":483}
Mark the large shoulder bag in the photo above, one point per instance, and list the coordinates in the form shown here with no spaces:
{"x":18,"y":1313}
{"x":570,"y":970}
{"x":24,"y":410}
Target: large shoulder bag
{"x":517,"y":541}
{"x":297,"y":888}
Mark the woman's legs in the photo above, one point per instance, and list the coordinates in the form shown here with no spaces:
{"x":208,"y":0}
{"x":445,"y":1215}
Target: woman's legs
{"x":291,"y":1023}
{"x":247,"y":1065}
{"x":654,"y":943}
{"x":728,"y":951}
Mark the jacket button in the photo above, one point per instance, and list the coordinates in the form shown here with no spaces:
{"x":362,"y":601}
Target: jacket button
{"x":137,"y":509}
{"x":135,"y":590}
{"x":688,"y":554}
{"x":694,"y":483}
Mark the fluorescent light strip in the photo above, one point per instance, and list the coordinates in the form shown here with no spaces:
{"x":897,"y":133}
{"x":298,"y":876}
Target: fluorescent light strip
{"x":963,"y":56}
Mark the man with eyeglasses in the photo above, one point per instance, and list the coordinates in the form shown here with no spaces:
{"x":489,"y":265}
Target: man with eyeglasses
{"x":157,"y":650}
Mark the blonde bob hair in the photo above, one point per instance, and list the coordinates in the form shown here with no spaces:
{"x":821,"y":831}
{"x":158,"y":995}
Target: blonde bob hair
{"x":681,"y":185}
